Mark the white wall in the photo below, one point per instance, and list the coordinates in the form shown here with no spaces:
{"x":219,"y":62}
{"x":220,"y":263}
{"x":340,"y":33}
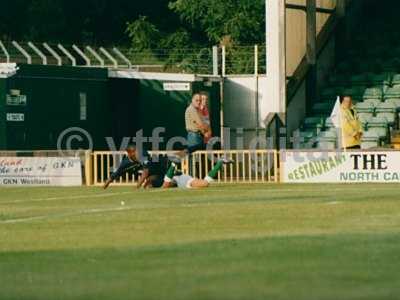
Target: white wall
{"x":240,"y":100}
{"x":240,"y":107}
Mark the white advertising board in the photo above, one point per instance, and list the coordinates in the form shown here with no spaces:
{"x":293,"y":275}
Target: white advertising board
{"x":40,"y":171}
{"x":340,"y":167}
{"x":176,"y":86}
{"x":15,"y":117}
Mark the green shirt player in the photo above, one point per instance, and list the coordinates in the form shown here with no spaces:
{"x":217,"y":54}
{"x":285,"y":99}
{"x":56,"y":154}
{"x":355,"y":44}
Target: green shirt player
{"x":186,"y":181}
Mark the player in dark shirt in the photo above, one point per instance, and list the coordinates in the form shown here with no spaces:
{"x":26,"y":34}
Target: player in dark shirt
{"x":153,"y":169}
{"x":129,"y":163}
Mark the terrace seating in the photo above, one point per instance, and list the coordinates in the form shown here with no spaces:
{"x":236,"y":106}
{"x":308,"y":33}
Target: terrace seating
{"x":373,"y":96}
{"x":392,"y":93}
{"x":365,"y":111}
{"x":386,"y":110}
{"x":327,"y":140}
{"x":370,"y":73}
{"x":313,"y":124}
{"x":370,"y":140}
{"x":323,"y":108}
{"x":395,"y":80}
{"x":378,"y":125}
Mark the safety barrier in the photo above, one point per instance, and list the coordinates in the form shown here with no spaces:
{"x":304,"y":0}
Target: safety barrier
{"x":106,"y":162}
{"x":250,"y":166}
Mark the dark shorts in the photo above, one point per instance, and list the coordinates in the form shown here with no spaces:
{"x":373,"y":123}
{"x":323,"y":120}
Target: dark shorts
{"x":156,"y":181}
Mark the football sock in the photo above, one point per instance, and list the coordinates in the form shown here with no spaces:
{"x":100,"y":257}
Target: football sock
{"x":170,"y":172}
{"x":214,"y":172}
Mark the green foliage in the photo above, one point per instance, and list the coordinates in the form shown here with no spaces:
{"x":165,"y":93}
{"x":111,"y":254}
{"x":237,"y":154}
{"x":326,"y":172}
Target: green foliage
{"x":143,"y":34}
{"x":179,"y":39}
{"x":187,"y":29}
{"x":230,"y":23}
{"x":184,"y":53}
{"x":242,"y":20}
{"x":86,"y":21}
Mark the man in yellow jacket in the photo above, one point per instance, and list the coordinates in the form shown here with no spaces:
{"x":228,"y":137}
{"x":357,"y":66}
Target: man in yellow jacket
{"x":350,"y":124}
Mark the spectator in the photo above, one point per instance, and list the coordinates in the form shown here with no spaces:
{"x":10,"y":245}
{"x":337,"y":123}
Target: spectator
{"x":350,"y":124}
{"x":195,"y":125}
{"x":205,"y":115}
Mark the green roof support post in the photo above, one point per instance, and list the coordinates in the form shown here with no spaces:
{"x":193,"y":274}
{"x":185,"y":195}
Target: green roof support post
{"x":311,"y":54}
{"x":341,"y":8}
{"x":343,"y":35}
{"x":3,"y":125}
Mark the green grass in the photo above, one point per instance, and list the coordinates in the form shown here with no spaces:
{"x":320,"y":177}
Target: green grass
{"x":226,"y":242}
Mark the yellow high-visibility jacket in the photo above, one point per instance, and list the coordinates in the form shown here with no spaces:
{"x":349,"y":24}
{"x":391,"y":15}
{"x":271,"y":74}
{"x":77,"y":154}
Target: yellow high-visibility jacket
{"x":351,"y":128}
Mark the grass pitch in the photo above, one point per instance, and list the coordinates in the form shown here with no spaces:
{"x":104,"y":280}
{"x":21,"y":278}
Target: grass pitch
{"x":226,"y":242}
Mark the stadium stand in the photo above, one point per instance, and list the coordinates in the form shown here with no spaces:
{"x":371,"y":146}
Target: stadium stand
{"x":369,"y":71}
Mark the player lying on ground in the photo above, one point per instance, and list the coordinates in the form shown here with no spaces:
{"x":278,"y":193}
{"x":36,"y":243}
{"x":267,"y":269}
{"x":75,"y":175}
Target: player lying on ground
{"x":171,"y":179}
{"x":152,"y":171}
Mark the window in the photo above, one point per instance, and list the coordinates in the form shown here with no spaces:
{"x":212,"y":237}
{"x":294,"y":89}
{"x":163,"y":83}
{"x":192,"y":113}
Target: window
{"x":83,"y":106}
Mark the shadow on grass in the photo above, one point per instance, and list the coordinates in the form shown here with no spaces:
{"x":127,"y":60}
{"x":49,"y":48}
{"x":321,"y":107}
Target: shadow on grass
{"x":316,"y":267}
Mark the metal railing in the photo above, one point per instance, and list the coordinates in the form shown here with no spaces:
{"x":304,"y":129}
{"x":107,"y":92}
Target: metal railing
{"x":64,"y":55}
{"x":105,"y":162}
{"x":250,"y":166}
{"x":188,"y":60}
{"x":206,"y":61}
{"x":244,"y":60}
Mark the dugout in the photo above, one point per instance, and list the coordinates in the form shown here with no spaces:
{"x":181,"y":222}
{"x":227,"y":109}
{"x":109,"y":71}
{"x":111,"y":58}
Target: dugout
{"x":40,"y":102}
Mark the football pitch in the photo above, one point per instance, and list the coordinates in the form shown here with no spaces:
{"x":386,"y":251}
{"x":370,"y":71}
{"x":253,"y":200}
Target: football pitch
{"x":226,"y":242}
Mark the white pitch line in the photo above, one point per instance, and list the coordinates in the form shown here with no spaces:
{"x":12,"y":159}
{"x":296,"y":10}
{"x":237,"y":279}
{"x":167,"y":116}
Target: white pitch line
{"x":104,"y":195}
{"x":277,"y":190}
{"x":334,"y":202}
{"x":92,"y":211}
{"x":62,"y":215}
{"x":214,"y":188}
{"x":127,"y":208}
{"x":113,"y":209}
{"x":66,"y":198}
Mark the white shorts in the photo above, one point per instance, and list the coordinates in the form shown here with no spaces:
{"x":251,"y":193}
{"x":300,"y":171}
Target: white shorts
{"x":183,"y":181}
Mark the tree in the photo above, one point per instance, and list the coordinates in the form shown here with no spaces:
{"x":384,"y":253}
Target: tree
{"x":101,"y":22}
{"x":240,"y":20}
{"x":230,"y":23}
{"x":143,"y":34}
